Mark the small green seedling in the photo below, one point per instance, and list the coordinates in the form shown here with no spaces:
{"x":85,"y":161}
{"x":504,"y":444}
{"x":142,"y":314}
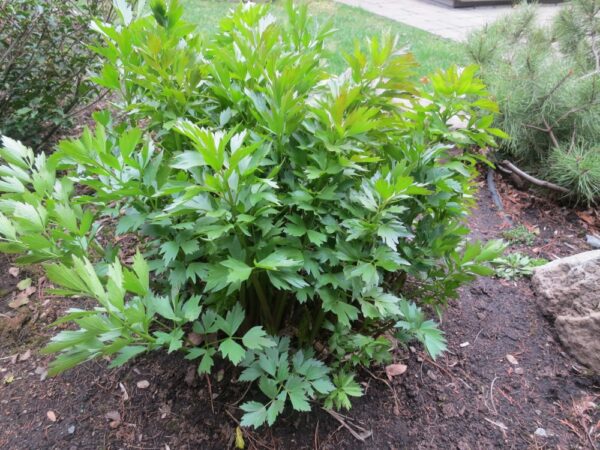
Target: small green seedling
{"x":519,"y":235}
{"x":516,"y":265}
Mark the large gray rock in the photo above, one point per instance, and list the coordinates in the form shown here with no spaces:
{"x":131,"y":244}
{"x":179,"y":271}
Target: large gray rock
{"x":568,"y":292}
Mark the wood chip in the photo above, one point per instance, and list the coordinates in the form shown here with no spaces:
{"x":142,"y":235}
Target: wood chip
{"x":511,"y":359}
{"x":124,"y":391}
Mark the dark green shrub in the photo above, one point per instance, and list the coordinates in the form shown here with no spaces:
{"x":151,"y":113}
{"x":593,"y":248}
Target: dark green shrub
{"x":43,"y":64}
{"x":547,"y":83}
{"x":279,"y":210}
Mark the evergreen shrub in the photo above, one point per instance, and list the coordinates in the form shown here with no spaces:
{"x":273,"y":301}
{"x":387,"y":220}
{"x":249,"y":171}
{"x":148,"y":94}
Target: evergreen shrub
{"x":546,"y":80}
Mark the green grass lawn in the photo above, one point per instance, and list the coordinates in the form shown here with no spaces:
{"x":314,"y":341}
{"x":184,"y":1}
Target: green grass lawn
{"x":351,"y":24}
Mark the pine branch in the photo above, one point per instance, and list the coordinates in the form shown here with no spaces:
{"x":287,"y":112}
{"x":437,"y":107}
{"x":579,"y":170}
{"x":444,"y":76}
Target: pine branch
{"x":533,"y":180}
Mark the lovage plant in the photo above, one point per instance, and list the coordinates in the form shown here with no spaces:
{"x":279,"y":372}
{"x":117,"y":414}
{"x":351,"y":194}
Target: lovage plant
{"x":286,"y":219}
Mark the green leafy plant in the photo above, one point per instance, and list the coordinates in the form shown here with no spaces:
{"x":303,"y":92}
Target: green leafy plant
{"x":44,"y":61}
{"x":519,"y":235}
{"x":545,"y":79}
{"x":516,"y":265}
{"x":287,"y":220}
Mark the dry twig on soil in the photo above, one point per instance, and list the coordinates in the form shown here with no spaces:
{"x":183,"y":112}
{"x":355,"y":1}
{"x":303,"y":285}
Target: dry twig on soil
{"x":357,"y":431}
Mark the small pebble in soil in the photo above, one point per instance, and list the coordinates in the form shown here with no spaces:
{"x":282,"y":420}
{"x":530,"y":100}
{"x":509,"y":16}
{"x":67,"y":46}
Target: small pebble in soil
{"x":71,"y":429}
{"x":541,"y":432}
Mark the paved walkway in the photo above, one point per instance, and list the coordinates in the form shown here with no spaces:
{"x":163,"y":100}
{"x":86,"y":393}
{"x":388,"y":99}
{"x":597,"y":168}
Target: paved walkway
{"x":451,"y":23}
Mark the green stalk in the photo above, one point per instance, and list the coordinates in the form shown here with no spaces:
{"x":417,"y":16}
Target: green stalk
{"x":316,"y":324}
{"x":178,"y":142}
{"x":243,"y":296}
{"x":279,"y":310}
{"x":264,"y":304}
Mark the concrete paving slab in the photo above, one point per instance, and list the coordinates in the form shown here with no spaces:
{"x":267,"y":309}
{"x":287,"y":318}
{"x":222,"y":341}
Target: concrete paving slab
{"x":441,"y":20}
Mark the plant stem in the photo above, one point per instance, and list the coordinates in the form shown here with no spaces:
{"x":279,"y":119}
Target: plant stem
{"x":264,"y":304}
{"x":316,"y":324}
{"x":178,"y":142}
{"x":280,"y":309}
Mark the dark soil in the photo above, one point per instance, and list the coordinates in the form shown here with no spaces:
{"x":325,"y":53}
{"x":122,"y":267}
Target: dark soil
{"x":471,"y":398}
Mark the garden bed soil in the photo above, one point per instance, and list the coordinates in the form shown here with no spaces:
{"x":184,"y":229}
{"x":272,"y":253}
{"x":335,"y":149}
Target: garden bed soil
{"x":473,"y":397}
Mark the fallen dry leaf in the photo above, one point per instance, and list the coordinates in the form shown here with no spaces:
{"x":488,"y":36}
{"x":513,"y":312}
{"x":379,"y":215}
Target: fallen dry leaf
{"x":28,"y":291}
{"x":511,"y":359}
{"x":586,"y":217}
{"x":9,"y":378}
{"x":20,"y":300}
{"x":24,"y":284}
{"x":25,"y":356}
{"x":143,"y":384}
{"x":394,"y":370}
{"x":239,"y":439}
{"x":14,"y":271}
{"x":51,"y":416}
